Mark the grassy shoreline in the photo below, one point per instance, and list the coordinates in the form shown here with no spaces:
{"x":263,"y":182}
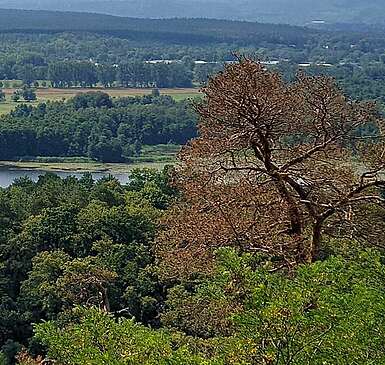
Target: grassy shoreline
{"x":80,"y":166}
{"x":156,"y":157}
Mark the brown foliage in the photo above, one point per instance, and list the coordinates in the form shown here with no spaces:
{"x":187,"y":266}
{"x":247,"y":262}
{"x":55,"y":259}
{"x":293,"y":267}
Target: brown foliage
{"x":23,"y":358}
{"x":272,"y":167}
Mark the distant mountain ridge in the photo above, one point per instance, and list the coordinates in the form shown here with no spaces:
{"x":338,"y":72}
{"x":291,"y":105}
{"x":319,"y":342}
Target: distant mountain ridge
{"x":299,"y":12}
{"x":176,"y":30}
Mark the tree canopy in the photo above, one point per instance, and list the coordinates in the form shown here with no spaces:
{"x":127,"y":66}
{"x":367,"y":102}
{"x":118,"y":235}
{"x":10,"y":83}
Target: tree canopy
{"x":96,"y":126}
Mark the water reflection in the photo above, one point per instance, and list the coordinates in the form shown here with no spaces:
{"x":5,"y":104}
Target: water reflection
{"x":8,"y":176}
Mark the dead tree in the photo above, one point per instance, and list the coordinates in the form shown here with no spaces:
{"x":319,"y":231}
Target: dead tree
{"x":275,"y":166}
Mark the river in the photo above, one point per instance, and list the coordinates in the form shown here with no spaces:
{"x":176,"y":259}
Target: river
{"x":8,"y":175}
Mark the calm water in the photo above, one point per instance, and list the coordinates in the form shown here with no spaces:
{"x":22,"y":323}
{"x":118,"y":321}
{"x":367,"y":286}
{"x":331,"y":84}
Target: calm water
{"x":7,"y":176}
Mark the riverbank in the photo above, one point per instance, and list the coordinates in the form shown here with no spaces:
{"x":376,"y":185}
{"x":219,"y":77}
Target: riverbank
{"x":79,"y":166}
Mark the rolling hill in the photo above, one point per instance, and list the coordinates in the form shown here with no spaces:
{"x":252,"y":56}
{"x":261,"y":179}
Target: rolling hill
{"x":176,"y":30}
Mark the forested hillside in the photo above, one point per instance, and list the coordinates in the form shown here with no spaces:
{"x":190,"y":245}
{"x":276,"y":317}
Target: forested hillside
{"x":171,"y":30}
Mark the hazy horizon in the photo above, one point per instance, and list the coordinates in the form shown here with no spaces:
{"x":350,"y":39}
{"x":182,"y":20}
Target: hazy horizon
{"x":276,"y":11}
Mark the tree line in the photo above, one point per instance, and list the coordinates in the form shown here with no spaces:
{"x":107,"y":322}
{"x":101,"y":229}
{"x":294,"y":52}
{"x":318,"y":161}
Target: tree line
{"x":133,"y":74}
{"x":96,"y":126}
{"x":137,"y":74}
{"x":361,"y":82}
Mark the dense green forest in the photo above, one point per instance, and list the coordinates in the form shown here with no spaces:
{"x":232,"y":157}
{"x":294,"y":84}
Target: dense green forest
{"x":95,"y":125}
{"x":104,"y":221}
{"x":168,"y":30}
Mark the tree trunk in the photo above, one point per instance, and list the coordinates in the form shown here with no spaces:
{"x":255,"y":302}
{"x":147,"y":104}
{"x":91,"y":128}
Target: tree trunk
{"x":105,"y":302}
{"x":316,"y":241}
{"x":296,"y":220}
{"x":296,"y":224}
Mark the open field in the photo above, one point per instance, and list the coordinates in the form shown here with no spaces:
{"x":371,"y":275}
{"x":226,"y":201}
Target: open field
{"x":7,"y":106}
{"x":47,"y":94}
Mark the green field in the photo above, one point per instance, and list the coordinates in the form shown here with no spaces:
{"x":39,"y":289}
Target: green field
{"x":7,"y":106}
{"x":50,"y":94}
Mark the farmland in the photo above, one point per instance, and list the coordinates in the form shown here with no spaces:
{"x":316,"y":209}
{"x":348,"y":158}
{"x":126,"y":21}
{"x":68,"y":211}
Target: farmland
{"x":53,"y":94}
